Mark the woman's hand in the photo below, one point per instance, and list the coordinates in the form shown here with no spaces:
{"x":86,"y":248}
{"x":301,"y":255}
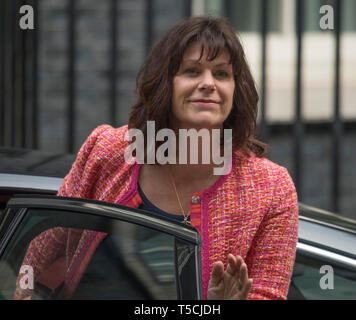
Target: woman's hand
{"x":233,"y":284}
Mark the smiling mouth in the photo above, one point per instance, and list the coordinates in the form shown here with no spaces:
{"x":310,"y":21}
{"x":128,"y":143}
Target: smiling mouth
{"x":206,"y":102}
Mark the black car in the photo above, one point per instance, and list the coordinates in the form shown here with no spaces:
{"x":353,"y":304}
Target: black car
{"x":159,"y":258}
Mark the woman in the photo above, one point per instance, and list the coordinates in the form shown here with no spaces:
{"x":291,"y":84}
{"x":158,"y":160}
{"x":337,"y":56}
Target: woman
{"x":196,"y":77}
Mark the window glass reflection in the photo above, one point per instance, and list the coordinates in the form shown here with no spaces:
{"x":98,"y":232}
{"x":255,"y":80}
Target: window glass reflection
{"x":51,"y":257}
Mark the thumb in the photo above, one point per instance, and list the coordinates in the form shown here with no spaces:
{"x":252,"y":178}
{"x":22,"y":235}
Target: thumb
{"x":217,"y":274}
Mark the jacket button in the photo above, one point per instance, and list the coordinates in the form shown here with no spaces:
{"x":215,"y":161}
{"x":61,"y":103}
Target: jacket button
{"x":195,"y":199}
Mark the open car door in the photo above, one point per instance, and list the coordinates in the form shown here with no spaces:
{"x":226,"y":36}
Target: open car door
{"x":66,"y":248}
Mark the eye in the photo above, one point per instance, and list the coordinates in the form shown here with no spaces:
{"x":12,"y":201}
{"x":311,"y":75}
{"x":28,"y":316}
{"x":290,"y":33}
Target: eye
{"x":222,"y":74}
{"x":191,"y":71}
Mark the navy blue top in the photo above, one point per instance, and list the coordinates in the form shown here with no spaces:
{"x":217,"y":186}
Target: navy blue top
{"x":147,"y":205}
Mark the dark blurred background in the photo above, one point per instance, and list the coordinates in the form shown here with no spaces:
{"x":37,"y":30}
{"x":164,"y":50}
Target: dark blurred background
{"x":77,"y":69}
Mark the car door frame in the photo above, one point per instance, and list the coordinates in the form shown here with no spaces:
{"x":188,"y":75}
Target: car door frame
{"x":18,"y":206}
{"x":317,"y":250}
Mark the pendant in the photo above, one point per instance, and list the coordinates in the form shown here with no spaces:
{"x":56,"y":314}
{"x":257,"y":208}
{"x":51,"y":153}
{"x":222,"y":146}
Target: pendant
{"x":186,"y":221}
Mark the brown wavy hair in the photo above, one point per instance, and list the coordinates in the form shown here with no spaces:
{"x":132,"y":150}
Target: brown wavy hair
{"x":154,"y":83}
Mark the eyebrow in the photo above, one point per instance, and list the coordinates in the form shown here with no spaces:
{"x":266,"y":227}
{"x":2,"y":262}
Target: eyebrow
{"x":198,"y":62}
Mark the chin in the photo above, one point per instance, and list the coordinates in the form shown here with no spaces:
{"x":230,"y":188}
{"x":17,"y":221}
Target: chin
{"x":200,"y":121}
{"x":205,"y":124}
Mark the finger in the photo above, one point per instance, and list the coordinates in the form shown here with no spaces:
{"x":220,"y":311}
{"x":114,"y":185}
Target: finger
{"x":217,"y":274}
{"x":243,"y":274}
{"x":232,"y":258}
{"x":246,"y":289}
{"x":239,"y":262}
{"x":232,"y":265}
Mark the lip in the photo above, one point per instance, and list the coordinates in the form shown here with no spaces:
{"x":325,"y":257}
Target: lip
{"x":205,"y":102}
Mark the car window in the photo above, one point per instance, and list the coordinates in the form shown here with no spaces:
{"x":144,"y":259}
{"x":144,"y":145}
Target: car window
{"x":57,"y":254}
{"x":316,"y":279}
{"x":3,"y":200}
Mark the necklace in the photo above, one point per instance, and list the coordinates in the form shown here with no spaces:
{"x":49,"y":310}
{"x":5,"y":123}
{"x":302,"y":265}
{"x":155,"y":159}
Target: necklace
{"x":186,"y":216}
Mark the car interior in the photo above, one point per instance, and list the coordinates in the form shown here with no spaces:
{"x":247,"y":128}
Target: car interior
{"x":132,"y":262}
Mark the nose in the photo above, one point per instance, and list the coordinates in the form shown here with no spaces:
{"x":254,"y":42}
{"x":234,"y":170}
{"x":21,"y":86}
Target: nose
{"x":207,"y":81}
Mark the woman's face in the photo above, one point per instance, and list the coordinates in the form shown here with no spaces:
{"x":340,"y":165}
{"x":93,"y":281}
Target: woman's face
{"x":202,"y":90}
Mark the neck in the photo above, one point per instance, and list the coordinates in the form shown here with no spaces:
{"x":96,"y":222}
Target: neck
{"x":199,"y":146}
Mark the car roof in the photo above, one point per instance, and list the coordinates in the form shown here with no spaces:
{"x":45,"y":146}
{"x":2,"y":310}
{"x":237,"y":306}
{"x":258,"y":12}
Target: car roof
{"x":326,"y":218}
{"x":34,"y":162}
{"x":324,"y":229}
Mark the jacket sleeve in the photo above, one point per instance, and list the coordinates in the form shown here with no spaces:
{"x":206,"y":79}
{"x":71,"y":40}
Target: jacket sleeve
{"x":271,"y":258}
{"x":47,"y":247}
{"x":80,"y":179}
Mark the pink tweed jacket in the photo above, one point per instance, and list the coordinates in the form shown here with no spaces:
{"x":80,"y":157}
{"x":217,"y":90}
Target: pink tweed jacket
{"x":251,"y":212}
